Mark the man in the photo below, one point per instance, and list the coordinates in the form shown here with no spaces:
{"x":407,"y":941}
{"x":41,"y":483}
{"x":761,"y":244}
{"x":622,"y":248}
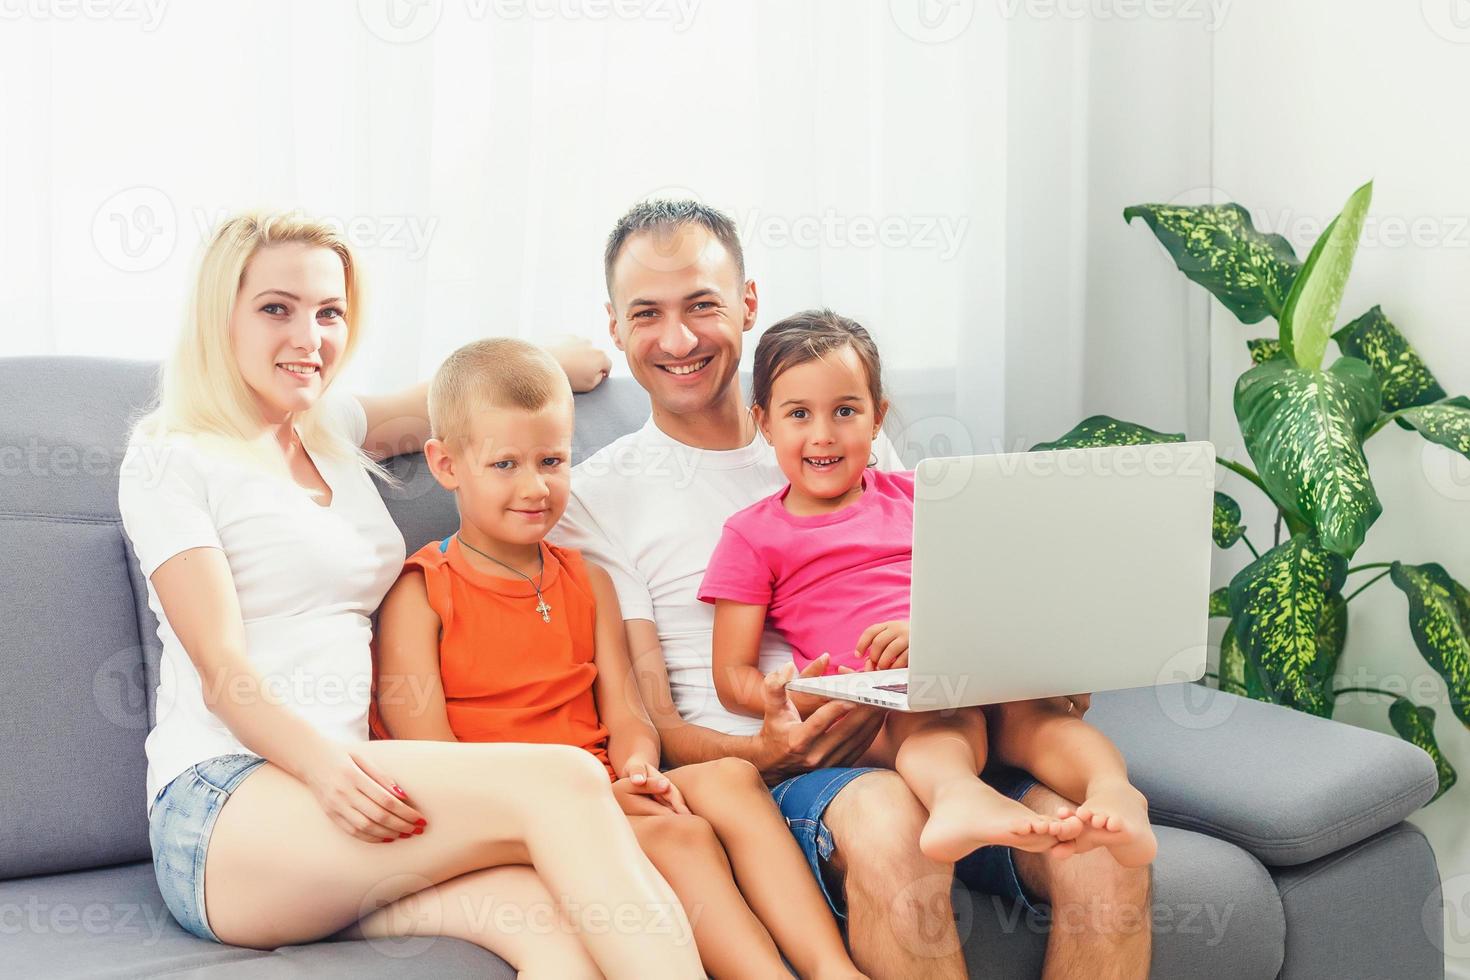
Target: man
{"x":649,"y":508}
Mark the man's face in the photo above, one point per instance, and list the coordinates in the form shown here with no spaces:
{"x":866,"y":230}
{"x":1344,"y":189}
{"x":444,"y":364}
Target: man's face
{"x":677,"y":310}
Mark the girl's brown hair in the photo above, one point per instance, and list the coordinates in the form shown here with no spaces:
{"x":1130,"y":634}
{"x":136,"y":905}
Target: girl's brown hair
{"x":807,"y":336}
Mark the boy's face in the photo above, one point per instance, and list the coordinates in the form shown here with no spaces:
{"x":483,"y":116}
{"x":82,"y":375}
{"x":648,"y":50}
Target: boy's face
{"x":822,"y":423}
{"x":512,"y":476}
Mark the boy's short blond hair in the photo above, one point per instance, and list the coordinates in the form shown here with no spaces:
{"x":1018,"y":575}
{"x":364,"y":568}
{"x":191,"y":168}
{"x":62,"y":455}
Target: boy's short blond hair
{"x":498,"y":373}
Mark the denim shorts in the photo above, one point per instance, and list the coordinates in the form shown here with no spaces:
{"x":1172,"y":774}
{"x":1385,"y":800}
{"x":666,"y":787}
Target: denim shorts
{"x":179,"y":828}
{"x":990,"y":870}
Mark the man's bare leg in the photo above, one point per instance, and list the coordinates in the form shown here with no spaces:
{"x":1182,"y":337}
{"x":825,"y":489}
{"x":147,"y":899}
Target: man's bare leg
{"x":900,"y":917}
{"x":1101,"y":911}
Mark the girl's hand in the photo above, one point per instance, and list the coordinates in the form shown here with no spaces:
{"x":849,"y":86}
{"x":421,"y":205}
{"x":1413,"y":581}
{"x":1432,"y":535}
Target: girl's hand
{"x":644,"y":779}
{"x":362,"y":801}
{"x":886,"y":645}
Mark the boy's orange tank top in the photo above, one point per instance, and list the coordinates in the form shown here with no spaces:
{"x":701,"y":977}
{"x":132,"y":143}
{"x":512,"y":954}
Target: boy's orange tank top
{"x":508,"y":675}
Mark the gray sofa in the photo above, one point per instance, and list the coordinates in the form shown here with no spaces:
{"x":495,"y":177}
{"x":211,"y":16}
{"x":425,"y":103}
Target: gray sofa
{"x":1284,"y":847}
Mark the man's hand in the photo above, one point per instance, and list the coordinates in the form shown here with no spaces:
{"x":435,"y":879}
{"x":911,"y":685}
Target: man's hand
{"x":645,"y":790}
{"x":835,"y":734}
{"x":584,"y":364}
{"x":886,"y":645}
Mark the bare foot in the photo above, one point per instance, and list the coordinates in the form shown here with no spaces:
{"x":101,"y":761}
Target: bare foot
{"x":970,"y":814}
{"x":1115,"y":816}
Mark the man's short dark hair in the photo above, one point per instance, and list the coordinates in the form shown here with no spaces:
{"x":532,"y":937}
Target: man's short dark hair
{"x":666,"y":216}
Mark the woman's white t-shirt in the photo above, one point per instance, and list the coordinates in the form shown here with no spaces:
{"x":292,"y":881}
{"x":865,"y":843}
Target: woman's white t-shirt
{"x":308,"y":578}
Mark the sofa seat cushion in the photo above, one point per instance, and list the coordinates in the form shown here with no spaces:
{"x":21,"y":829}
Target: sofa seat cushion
{"x":112,"y":923}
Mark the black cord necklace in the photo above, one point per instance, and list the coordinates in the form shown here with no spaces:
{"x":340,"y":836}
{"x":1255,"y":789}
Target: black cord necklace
{"x":541,"y":605}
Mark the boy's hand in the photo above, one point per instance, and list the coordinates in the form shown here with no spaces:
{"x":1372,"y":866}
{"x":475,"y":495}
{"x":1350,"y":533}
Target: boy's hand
{"x":886,"y":645}
{"x":585,"y":365}
{"x":643,"y":779}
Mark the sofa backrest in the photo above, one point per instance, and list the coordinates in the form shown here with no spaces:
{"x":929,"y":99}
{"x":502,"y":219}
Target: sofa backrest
{"x":79,"y":647}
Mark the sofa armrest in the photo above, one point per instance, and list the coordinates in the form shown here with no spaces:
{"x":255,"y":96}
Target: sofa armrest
{"x":1286,"y":786}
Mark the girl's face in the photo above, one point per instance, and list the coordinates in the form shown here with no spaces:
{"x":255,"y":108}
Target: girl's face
{"x":822,"y":423}
{"x":289,"y":313}
{"x":513,"y":476}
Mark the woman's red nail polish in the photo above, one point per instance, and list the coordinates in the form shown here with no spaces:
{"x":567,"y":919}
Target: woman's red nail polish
{"x":420,"y":830}
{"x":421,"y":822}
{"x":401,"y":836}
{"x":398,"y":792}
{"x":387,"y":840}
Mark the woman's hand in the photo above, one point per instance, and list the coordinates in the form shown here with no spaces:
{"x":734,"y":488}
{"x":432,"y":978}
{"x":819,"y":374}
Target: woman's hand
{"x":584,"y":364}
{"x":646,"y":790}
{"x":362,"y":801}
{"x":886,"y":645}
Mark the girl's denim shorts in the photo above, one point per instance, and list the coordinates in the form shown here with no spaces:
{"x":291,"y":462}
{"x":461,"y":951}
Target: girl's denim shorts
{"x":179,"y":828}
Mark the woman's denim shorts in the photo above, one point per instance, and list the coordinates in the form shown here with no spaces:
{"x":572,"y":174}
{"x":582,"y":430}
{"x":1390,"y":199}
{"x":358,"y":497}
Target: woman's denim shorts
{"x":179,"y":828}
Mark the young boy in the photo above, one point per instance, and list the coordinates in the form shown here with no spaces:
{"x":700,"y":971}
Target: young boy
{"x":493,"y":634}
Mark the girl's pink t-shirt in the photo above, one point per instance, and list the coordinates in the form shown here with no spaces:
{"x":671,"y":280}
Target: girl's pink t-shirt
{"x":827,"y":577}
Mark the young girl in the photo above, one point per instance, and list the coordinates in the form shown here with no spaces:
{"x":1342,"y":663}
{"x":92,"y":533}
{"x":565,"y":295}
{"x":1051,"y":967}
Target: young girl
{"x":493,"y":635}
{"x":827,"y":562}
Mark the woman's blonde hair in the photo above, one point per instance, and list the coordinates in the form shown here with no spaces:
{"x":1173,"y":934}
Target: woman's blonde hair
{"x":202,"y":391}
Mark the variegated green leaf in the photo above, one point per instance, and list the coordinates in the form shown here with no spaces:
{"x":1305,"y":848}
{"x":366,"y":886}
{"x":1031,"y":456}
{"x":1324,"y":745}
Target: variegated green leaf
{"x":1415,"y":724}
{"x":1402,"y":375}
{"x":1263,"y":349}
{"x":1439,"y":619}
{"x":1290,"y":621}
{"x":1232,"y":662}
{"x":1304,"y":431}
{"x":1446,"y":422}
{"x":1217,"y":246}
{"x":1220,"y":601}
{"x":1101,"y":430}
{"x":1225,"y":527}
{"x":1311,"y":307}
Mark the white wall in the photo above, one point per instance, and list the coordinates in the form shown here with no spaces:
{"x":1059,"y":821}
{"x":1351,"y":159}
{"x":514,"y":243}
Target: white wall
{"x":1312,"y":98}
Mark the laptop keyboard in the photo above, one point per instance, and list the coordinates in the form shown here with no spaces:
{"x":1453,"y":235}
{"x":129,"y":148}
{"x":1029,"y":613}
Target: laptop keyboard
{"x":895,"y":688}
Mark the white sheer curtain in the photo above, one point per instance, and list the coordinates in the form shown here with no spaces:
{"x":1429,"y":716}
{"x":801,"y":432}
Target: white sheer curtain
{"x":931,"y":168}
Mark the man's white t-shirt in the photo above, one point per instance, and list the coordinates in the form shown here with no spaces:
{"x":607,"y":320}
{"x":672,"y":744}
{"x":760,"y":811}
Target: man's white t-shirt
{"x":649,"y":510}
{"x":308,"y":579}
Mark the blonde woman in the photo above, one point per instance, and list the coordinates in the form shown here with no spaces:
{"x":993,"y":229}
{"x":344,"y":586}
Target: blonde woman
{"x":247,"y":497}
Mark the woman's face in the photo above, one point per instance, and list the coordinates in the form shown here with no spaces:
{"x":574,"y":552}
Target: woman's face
{"x":288,"y":326}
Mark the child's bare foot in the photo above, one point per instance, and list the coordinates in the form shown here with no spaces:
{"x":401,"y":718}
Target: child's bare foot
{"x":970,"y":814}
{"x":1115,"y":816}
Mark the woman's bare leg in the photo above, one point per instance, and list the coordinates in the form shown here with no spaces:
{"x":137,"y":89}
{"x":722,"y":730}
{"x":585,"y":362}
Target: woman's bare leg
{"x":940,"y":755}
{"x":732,"y":942}
{"x":772,"y":873}
{"x":506,"y":910}
{"x":279,"y":871}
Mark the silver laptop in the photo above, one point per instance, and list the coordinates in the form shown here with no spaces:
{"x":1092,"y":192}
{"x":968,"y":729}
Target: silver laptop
{"x":1049,"y":573}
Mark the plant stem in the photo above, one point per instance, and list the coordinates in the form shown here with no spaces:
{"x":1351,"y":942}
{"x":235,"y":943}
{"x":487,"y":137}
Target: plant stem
{"x":1371,"y":564}
{"x":1364,"y":690}
{"x":1248,"y":544}
{"x":1365,"y":585}
{"x":1277,"y":538}
{"x":1382,"y":421}
{"x":1244,"y":471}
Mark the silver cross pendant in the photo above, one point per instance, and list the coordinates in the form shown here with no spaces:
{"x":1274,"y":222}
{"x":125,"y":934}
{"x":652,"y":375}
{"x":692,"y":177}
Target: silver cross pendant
{"x":543,"y":609}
